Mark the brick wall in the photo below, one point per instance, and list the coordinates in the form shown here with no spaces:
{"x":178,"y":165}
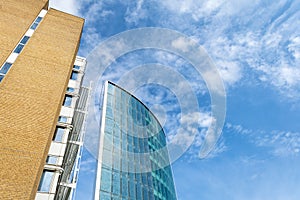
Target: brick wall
{"x":31,"y":95}
{"x":15,"y":18}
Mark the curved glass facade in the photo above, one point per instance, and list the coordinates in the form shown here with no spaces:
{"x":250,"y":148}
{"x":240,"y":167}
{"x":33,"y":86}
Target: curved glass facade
{"x":133,"y":159}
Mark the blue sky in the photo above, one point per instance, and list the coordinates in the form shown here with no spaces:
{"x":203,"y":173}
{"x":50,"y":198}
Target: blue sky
{"x":255,"y":45}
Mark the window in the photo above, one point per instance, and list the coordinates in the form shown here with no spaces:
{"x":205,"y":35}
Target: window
{"x":51,"y":160}
{"x":70,"y":89}
{"x":74,"y":75}
{"x":19,"y":48}
{"x":38,"y":19}
{"x":24,"y":40}
{"x":33,"y":26}
{"x":45,"y":182}
{"x":62,"y":119}
{"x":104,"y":196}
{"x":106,"y":178}
{"x":1,"y":77}
{"x":36,"y":22}
{"x":76,"y":67}
{"x":58,"y":135}
{"x":67,"y":101}
{"x":5,"y":68}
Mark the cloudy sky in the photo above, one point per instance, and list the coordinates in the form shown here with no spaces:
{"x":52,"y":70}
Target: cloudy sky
{"x":255,"y":45}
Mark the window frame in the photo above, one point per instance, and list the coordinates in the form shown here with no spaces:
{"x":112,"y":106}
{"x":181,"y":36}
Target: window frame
{"x":68,"y":100}
{"x":45,"y":181}
{"x":59,"y":134}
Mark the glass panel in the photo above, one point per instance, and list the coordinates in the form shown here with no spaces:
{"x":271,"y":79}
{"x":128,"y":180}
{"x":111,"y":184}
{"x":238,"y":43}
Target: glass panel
{"x":19,"y":48}
{"x":59,"y":133}
{"x":109,"y":112}
{"x":139,"y":192}
{"x":145,"y":194}
{"x":62,"y":119}
{"x":5,"y":68}
{"x":106,"y":179}
{"x":124,"y":186}
{"x":70,"y":89}
{"x":45,"y":182}
{"x":74,"y":75}
{"x":116,"y":183}
{"x":33,"y":26}
{"x":104,"y":196}
{"x":110,"y":89}
{"x":76,"y":67}
{"x":1,"y":77}
{"x":51,"y":160}
{"x":38,"y":19}
{"x":71,"y":177}
{"x":24,"y":40}
{"x":108,"y":141}
{"x":132,"y":186}
{"x":67,"y":101}
{"x":107,"y":158}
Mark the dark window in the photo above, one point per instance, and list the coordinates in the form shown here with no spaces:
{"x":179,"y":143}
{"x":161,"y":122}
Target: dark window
{"x":5,"y":68}
{"x":38,"y":19}
{"x":76,"y":67}
{"x":19,"y":48}
{"x":45,"y":181}
{"x":69,"y":89}
{"x":62,"y":119}
{"x":24,"y":40}
{"x":74,"y":76}
{"x":33,"y":26}
{"x":58,"y":135}
{"x":51,"y":160}
{"x":68,"y":101}
{"x":1,"y":77}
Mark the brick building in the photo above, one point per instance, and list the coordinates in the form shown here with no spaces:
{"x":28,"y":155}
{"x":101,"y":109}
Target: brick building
{"x":42,"y":109}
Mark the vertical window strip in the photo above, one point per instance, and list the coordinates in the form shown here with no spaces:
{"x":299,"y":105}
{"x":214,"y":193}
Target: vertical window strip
{"x":17,"y":50}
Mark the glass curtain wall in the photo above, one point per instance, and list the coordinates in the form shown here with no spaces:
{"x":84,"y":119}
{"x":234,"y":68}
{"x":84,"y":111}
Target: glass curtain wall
{"x":133,"y":158}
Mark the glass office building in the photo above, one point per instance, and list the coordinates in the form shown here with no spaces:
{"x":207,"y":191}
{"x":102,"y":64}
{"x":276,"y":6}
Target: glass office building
{"x":133,"y":160}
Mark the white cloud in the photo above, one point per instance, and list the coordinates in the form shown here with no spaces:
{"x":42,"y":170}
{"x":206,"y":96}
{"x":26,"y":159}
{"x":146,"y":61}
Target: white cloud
{"x":240,"y":44}
{"x":192,"y":7}
{"x":69,"y":6}
{"x":294,"y":47}
{"x":182,"y":44}
{"x":133,"y":15}
{"x":281,"y":143}
{"x":189,"y":128}
{"x":230,"y":71}
{"x":193,"y":132}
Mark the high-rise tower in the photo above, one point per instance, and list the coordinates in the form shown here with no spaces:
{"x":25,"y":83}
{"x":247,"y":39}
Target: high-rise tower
{"x":38,"y":48}
{"x":133,"y":160}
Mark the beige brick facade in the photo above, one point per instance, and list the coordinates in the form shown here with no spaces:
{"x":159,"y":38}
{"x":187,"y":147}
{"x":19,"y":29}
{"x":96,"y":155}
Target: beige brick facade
{"x":32,"y":92}
{"x":16,"y":17}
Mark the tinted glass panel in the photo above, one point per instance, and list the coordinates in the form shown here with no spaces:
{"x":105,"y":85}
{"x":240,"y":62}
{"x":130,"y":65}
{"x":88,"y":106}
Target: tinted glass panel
{"x":74,"y":76}
{"x":59,"y":133}
{"x":62,"y":119}
{"x":5,"y":68}
{"x":68,"y":101}
{"x":69,"y":89}
{"x":51,"y":160}
{"x":38,"y":19}
{"x":76,"y":67}
{"x":24,"y":40}
{"x":45,"y":181}
{"x":33,"y":26}
{"x":19,"y":48}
